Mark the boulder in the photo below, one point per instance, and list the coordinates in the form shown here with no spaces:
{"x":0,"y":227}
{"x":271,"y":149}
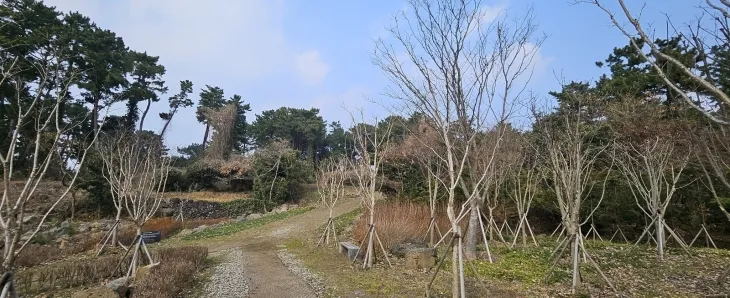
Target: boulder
{"x":200,"y":228}
{"x":185,"y":232}
{"x":241,"y":218}
{"x":253,"y":216}
{"x":98,"y":292}
{"x":143,"y":272}
{"x":281,"y":209}
{"x":120,"y":286}
{"x":399,"y":249}
{"x":167,"y":212}
{"x":417,"y":254}
{"x":420,"y":258}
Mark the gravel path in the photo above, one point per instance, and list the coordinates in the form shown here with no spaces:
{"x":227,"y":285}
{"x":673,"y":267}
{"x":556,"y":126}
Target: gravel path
{"x":296,"y":267}
{"x":228,"y":279}
{"x":255,"y":265}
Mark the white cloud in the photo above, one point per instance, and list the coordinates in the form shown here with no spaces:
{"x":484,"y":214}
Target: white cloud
{"x":241,"y":39}
{"x":311,"y":67}
{"x":489,"y":13}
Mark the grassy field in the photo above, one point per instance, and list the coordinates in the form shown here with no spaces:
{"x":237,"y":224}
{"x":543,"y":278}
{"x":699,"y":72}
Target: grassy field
{"x":635,"y":271}
{"x":209,"y":196}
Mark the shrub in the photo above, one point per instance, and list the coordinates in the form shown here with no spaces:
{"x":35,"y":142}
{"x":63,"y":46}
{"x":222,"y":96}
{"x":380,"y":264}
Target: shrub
{"x":68,"y":274}
{"x":399,"y":222}
{"x":177,"y":268}
{"x":278,"y":172}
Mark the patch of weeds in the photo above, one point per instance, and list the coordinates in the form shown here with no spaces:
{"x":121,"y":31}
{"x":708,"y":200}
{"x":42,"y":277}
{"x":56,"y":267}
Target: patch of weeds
{"x":346,"y":219}
{"x":523,"y":265}
{"x":197,"y":288}
{"x":40,"y":239}
{"x":235,"y":227}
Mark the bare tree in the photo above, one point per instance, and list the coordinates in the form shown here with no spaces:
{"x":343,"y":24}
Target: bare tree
{"x":38,"y":118}
{"x":371,"y":145}
{"x":569,"y":162}
{"x":331,"y":188}
{"x":703,"y":36}
{"x":523,"y":180}
{"x":652,"y":170}
{"x":460,"y":70}
{"x":713,"y":153}
{"x":136,"y":169}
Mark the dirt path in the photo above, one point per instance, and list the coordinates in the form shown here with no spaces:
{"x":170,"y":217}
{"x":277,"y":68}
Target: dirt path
{"x":252,"y":267}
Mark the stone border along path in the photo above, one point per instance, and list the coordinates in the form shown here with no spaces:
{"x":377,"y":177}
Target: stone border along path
{"x":256,"y":266}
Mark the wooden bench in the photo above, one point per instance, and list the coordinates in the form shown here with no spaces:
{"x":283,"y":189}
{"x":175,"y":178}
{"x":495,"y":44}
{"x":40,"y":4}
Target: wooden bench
{"x":350,"y":249}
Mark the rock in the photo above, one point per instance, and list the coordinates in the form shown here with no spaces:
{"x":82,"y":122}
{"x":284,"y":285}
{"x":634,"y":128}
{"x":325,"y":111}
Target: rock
{"x":200,"y":228}
{"x":167,"y":212}
{"x":399,"y":249}
{"x":420,"y":258}
{"x":281,"y":209}
{"x":293,"y":206}
{"x":65,"y":224}
{"x":241,"y":218}
{"x":63,"y":244}
{"x":253,"y":216}
{"x":28,"y":218}
{"x":143,"y":272}
{"x":185,"y":232}
{"x":98,"y":292}
{"x":120,"y":286}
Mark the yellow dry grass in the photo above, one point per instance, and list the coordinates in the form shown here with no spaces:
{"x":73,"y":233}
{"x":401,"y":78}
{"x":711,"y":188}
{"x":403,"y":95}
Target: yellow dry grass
{"x":208,"y":196}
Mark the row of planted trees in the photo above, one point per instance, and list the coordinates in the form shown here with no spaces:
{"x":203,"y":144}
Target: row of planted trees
{"x":467,"y":78}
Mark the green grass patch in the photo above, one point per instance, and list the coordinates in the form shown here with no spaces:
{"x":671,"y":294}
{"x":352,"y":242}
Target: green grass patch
{"x":526,"y":265}
{"x":346,"y":219}
{"x":235,"y":227}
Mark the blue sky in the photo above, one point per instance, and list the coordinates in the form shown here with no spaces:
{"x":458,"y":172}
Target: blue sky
{"x":316,"y":53}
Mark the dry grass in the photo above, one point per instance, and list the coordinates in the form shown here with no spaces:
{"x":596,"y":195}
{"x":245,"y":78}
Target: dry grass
{"x":402,"y":221}
{"x":208,"y":196}
{"x":67,"y":274}
{"x":175,"y":273}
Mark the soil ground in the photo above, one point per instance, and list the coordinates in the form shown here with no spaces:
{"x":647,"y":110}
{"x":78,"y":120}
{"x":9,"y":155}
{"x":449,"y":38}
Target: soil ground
{"x":265,"y":274}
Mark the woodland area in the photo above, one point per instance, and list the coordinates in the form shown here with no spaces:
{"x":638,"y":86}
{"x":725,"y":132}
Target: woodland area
{"x":642,"y":155}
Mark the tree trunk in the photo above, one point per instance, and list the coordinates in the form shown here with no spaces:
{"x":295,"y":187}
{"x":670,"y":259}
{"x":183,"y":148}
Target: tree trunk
{"x":470,"y":251}
{"x":95,"y":115}
{"x":144,"y":114}
{"x":115,"y":228}
{"x":205,"y":135}
{"x":370,"y":249}
{"x":167,"y":123}
{"x":660,"y":235}
{"x":575,"y":256}
{"x":491,"y":224}
{"x":455,"y":283}
{"x":524,"y":229}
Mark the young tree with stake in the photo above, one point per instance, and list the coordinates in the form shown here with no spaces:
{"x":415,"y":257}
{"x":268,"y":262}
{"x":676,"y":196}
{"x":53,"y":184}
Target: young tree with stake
{"x":568,"y":161}
{"x":331,"y":188}
{"x":460,"y":71}
{"x":136,"y":169}
{"x":38,"y":110}
{"x":371,"y":146}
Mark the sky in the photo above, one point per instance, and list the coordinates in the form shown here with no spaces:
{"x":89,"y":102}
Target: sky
{"x":317,"y":53}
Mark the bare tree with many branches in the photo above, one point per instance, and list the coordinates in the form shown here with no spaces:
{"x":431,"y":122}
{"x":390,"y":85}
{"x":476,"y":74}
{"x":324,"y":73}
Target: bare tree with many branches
{"x":461,"y":70}
{"x":523,"y":183}
{"x":371,"y":145}
{"x":136,"y":169}
{"x":568,"y":166}
{"x":331,"y":188}
{"x":38,"y":112}
{"x":703,"y":36}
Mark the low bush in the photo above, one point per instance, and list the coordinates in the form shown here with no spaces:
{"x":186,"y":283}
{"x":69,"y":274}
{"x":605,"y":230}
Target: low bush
{"x":396,"y":222}
{"x":36,"y":254}
{"x":235,"y":227}
{"x":177,"y":269}
{"x":67,"y":274}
